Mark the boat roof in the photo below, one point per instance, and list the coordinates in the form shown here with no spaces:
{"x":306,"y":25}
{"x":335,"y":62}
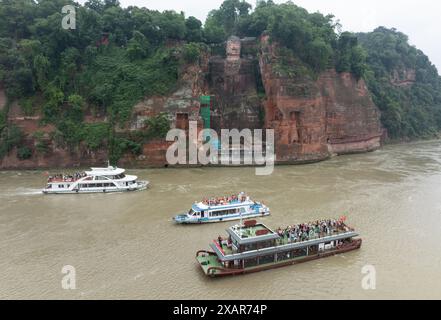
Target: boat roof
{"x":105,"y":171}
{"x":251,"y":234}
{"x":202,"y":207}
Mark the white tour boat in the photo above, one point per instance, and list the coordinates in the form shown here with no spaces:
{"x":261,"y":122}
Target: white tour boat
{"x":110,"y":179}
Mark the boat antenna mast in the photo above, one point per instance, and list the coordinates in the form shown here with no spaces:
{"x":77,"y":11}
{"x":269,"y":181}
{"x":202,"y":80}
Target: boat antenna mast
{"x":241,"y":218}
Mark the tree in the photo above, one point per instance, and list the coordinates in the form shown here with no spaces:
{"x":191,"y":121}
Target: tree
{"x":191,"y":52}
{"x":138,"y":46}
{"x":319,"y":54}
{"x":24,"y":153}
{"x":193,"y":29}
{"x":213,"y":33}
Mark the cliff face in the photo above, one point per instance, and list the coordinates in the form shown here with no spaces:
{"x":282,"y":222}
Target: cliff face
{"x":232,"y":84}
{"x":312,"y":118}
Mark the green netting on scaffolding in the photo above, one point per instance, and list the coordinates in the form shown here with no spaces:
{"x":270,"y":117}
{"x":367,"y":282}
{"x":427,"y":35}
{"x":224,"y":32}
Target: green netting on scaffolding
{"x":205,"y":100}
{"x":206,"y":111}
{"x":206,"y":114}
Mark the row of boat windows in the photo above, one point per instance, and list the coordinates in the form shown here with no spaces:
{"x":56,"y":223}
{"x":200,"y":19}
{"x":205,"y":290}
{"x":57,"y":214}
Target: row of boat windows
{"x":272,"y":243}
{"x":96,"y":185}
{"x":90,"y":185}
{"x":86,"y":185}
{"x":214,"y":213}
{"x":282,"y":256}
{"x":118,"y":177}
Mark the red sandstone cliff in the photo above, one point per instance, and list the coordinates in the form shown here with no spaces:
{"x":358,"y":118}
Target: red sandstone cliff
{"x":312,"y":118}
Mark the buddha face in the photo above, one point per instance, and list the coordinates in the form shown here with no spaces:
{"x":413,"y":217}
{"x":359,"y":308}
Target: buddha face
{"x":233,"y":48}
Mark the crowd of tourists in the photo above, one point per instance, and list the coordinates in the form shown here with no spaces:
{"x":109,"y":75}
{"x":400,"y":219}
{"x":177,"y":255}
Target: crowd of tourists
{"x":313,"y":230}
{"x":225,"y":200}
{"x":67,"y":177}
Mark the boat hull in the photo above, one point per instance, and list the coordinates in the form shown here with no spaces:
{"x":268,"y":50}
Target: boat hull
{"x":216,"y":272}
{"x":142,"y":185}
{"x":223,"y":219}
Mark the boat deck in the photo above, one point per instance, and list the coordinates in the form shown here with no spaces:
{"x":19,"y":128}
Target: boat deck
{"x":281,"y":241}
{"x":207,"y":262}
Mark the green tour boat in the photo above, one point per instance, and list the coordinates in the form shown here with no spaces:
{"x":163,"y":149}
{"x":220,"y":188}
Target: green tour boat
{"x":252,"y":247}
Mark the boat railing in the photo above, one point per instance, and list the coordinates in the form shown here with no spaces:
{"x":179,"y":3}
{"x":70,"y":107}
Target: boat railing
{"x":321,"y":235}
{"x":66,"y":177}
{"x":222,"y":203}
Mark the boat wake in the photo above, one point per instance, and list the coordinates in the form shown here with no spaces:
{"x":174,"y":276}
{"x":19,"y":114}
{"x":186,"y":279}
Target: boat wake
{"x":25,"y":192}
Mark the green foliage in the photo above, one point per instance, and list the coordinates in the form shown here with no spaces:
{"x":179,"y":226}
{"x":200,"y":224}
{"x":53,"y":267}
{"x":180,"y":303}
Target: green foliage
{"x":54,"y":98}
{"x":95,"y":135}
{"x":24,"y":153}
{"x":288,"y":65}
{"x":224,"y":22}
{"x":320,"y":54}
{"x":10,"y":136}
{"x":411,"y":109}
{"x":214,"y":33}
{"x":158,"y":126}
{"x":115,"y":83}
{"x":191,"y":52}
{"x":138,"y":46}
{"x":3,"y":121}
{"x":351,"y":56}
{"x":42,"y":144}
{"x":120,"y":145}
{"x":74,"y":108}
{"x":311,"y":37}
{"x":194,"y":30}
{"x":27,"y":105}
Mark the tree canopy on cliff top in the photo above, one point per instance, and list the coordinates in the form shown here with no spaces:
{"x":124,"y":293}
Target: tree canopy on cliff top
{"x":117,"y":56}
{"x":404,"y":83}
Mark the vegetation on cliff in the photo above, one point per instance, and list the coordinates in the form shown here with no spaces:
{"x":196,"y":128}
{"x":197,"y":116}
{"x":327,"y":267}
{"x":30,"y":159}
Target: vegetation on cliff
{"x":117,"y":56}
{"x":404,"y":83}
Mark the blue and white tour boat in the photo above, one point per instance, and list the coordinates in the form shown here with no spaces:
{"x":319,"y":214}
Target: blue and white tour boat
{"x":223,"y":209}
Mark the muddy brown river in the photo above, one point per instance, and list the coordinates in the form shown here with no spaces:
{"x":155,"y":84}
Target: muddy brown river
{"x":125,"y":246}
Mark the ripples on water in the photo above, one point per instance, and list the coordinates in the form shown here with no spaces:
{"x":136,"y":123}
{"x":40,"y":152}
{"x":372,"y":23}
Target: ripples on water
{"x":125,"y":245}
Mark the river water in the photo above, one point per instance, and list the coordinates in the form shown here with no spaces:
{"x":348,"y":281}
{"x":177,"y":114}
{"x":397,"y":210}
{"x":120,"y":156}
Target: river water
{"x":125,"y":246}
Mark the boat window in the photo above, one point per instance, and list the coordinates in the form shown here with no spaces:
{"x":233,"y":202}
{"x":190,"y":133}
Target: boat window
{"x":224,"y":212}
{"x":191,"y":212}
{"x":266,"y":259}
{"x":248,"y":263}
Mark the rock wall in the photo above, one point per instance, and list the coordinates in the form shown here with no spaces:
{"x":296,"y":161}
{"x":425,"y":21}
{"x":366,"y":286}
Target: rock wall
{"x":316,"y":118}
{"x":232,"y":85}
{"x":313,"y":118}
